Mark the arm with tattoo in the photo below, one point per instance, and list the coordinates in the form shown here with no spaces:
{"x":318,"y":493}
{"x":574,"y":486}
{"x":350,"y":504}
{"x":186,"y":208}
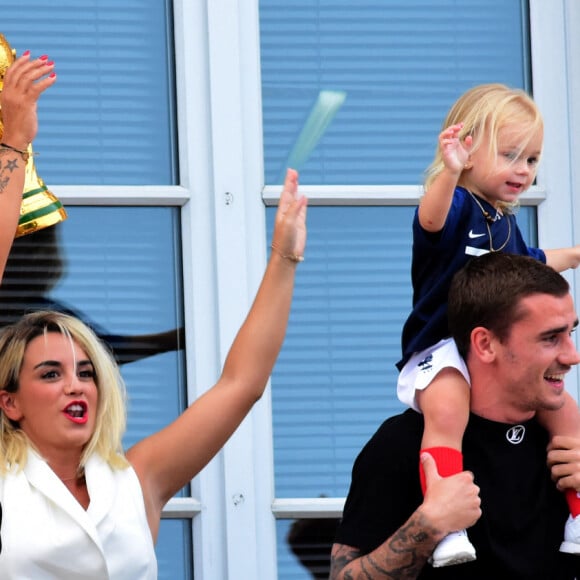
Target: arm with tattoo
{"x":23,"y":83}
{"x":402,"y":556}
{"x":450,"y":504}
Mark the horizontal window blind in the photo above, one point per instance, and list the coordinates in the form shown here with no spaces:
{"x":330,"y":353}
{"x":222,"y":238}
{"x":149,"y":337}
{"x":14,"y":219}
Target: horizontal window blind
{"x":109,"y":119}
{"x":304,"y":548}
{"x":173,"y":549}
{"x":335,"y":380}
{"x":119,"y":270}
{"x":398,"y":65}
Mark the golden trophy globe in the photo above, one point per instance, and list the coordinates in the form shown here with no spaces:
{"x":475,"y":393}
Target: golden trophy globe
{"x":40,"y":208}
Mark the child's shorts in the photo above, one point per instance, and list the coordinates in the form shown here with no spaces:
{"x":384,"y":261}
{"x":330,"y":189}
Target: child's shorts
{"x":424,"y":366}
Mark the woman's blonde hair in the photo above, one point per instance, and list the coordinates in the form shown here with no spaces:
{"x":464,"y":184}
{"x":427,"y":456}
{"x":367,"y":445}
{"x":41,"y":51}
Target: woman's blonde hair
{"x":484,"y":110}
{"x":111,"y":409}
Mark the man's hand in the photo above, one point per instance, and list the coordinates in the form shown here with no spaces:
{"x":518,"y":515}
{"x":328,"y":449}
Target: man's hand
{"x":451,"y":503}
{"x":564,"y":462}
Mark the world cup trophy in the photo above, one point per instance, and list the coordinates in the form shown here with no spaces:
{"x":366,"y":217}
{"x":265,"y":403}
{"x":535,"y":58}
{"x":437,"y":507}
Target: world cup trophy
{"x":40,"y":208}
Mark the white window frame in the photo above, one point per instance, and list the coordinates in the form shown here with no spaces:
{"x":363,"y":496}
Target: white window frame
{"x":222,"y":195}
{"x":555,"y":66}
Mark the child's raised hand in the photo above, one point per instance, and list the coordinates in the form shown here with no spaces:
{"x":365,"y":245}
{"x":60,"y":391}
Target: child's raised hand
{"x":454,"y":151}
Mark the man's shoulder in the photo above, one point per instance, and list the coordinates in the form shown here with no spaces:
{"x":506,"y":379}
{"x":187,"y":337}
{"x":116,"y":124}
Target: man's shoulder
{"x":396,"y":436}
{"x":409,"y":421}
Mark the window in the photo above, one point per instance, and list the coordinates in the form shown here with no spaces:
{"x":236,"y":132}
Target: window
{"x":110,"y":122}
{"x":379,"y":77}
{"x":355,"y":101}
{"x":171,"y":124}
{"x":335,"y":380}
{"x":99,"y":124}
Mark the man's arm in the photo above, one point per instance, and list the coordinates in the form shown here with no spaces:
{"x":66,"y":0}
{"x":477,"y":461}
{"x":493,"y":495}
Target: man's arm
{"x":450,"y":504}
{"x":403,"y":555}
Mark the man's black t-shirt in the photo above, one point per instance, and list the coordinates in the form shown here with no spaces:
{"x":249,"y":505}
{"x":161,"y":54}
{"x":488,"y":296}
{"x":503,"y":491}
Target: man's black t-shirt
{"x":523,"y":514}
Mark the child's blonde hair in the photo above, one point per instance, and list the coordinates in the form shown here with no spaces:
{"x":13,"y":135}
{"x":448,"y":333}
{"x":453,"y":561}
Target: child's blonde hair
{"x":485,"y":109}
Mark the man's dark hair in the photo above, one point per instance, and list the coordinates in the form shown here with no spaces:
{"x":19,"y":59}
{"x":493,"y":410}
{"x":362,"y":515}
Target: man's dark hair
{"x":488,"y":292}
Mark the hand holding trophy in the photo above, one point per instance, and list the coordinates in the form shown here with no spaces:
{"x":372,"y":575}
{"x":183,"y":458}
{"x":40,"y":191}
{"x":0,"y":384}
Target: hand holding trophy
{"x":40,"y":208}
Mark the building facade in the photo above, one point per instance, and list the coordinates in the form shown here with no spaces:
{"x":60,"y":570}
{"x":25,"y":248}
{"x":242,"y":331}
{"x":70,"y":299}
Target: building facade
{"x":166,"y":137}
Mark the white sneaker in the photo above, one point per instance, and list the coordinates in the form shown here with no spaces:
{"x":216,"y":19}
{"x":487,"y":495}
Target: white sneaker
{"x":454,"y":548}
{"x":571,"y":543}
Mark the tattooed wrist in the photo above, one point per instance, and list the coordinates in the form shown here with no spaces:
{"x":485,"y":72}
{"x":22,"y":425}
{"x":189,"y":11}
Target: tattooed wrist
{"x":401,"y":557}
{"x":9,"y":161}
{"x":426,"y":531}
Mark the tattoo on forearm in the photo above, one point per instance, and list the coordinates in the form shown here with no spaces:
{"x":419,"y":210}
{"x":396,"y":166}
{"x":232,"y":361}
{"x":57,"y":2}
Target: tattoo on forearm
{"x":401,"y":557}
{"x":340,"y":557}
{"x":6,"y":169}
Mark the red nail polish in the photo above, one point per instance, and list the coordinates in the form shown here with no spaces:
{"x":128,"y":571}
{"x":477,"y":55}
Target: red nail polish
{"x":49,"y":62}
{"x":26,"y":53}
{"x":43,"y":57}
{"x":52,"y":75}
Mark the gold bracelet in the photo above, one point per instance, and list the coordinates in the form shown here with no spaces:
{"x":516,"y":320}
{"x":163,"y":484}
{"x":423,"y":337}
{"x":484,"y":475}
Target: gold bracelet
{"x":291,"y":257}
{"x":25,"y":155}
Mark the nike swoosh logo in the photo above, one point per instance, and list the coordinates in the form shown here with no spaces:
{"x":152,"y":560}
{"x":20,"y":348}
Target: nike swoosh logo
{"x":472,"y":235}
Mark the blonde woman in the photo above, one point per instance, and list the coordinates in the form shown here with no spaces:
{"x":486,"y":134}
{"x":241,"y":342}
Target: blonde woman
{"x":74,"y":504}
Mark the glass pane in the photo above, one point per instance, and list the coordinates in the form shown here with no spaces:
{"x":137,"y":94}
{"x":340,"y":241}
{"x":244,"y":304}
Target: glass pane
{"x":398,"y":64}
{"x":335,"y":380}
{"x":304,"y":548}
{"x":109,"y":119}
{"x":173,"y":549}
{"x":118,"y":269}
